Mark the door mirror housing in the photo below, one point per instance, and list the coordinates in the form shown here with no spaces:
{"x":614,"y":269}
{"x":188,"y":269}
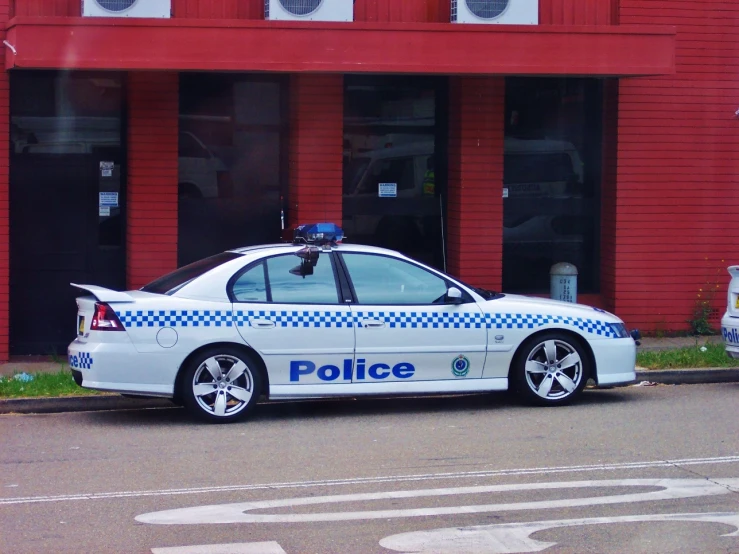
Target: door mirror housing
{"x":454,"y":296}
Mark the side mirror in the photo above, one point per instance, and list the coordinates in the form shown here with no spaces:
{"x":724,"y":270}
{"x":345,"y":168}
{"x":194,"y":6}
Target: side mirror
{"x":454,"y":295}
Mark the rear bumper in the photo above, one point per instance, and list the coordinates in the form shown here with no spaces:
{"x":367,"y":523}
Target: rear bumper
{"x":119,"y":367}
{"x":615,"y":361}
{"x":730,"y":332}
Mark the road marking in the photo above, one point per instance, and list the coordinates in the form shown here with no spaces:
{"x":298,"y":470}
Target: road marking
{"x":241,"y":512}
{"x":372,"y":480}
{"x":233,"y":548}
{"x":513,"y":538}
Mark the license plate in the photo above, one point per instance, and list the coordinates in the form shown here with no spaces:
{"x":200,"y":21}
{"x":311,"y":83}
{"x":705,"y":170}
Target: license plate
{"x":737,"y":302}
{"x":81,"y":325}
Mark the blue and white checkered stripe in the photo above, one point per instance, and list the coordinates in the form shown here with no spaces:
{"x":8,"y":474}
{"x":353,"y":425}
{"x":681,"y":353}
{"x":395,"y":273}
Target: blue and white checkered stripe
{"x":531,"y":321}
{"x":175,"y":318}
{"x":297,"y":318}
{"x":426,"y":320}
{"x":83,"y":360}
{"x":330,"y":319}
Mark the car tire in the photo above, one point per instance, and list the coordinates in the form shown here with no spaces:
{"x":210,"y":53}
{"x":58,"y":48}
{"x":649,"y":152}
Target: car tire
{"x":221,"y":385}
{"x":550,"y":369}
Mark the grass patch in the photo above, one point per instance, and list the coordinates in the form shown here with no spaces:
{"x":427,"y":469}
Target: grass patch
{"x":43,"y":385}
{"x":689,"y":357}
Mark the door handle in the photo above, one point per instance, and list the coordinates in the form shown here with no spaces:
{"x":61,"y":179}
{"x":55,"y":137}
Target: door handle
{"x":262,"y":323}
{"x":372,"y":323}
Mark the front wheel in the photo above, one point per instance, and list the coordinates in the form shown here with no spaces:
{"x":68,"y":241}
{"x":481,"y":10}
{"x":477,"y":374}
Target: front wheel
{"x":550,"y":369}
{"x":221,"y":385}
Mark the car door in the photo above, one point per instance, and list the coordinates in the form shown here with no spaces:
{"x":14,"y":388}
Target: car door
{"x":294,"y":319}
{"x":406,"y":327}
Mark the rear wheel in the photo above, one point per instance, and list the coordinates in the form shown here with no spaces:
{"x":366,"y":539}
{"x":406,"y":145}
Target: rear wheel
{"x":221,"y":385}
{"x":550,"y":369}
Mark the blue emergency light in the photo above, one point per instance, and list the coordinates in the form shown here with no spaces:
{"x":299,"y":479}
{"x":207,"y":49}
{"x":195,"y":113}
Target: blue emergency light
{"x":318,"y":234}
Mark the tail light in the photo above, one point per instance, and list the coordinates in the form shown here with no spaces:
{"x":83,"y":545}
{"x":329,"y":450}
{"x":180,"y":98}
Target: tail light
{"x":105,"y":319}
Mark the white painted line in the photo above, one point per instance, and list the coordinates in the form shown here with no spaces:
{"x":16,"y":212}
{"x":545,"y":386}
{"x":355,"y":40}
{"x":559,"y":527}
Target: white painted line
{"x":510,"y":538}
{"x":242,"y":512}
{"x":371,"y":480}
{"x":233,"y":548}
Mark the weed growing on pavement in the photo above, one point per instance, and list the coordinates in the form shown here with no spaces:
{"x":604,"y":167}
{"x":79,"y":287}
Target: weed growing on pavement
{"x":42,"y":385}
{"x":703,"y":307}
{"x":689,"y":357}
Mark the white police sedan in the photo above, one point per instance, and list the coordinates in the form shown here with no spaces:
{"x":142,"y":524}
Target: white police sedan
{"x":730,"y":321}
{"x":319,"y":318}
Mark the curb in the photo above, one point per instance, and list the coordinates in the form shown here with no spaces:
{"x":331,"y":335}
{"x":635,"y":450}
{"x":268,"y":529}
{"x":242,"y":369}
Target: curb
{"x":115,"y":402}
{"x":79,"y":404}
{"x":688,"y":376}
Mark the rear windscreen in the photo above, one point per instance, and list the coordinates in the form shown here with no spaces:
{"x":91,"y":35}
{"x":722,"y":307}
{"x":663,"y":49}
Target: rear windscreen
{"x":173,"y":281}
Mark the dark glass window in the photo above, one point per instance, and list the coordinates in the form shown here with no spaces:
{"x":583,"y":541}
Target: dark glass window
{"x":251,"y":286}
{"x":171,"y":282}
{"x":287,"y":287}
{"x":232,"y":162}
{"x":551,"y":181}
{"x":394,"y":164}
{"x":384,"y":280}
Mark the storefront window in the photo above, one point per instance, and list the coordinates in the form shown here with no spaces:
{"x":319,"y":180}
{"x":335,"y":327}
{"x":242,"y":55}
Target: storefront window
{"x":67,"y":184}
{"x":231,"y":163}
{"x":393,"y":181}
{"x":551,"y":181}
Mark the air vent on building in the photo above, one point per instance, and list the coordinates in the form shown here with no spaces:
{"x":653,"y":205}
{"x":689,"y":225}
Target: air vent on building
{"x":300,"y":7}
{"x":511,"y":12}
{"x":309,"y":10}
{"x":126,"y":8}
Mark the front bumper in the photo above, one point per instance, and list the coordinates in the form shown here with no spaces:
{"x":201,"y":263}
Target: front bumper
{"x":615,"y":361}
{"x":730,"y":332}
{"x":119,"y":367}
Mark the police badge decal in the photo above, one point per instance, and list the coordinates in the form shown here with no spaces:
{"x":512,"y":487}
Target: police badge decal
{"x":460,"y":366}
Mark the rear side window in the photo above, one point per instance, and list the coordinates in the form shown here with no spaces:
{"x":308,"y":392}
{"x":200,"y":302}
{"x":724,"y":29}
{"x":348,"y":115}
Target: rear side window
{"x":171,"y":282}
{"x":278,"y":280}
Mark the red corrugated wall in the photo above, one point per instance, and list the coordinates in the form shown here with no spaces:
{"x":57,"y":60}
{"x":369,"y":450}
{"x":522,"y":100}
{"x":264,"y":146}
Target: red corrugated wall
{"x":153,"y":116}
{"x":678,"y":166}
{"x":475,"y":211}
{"x":4,"y":190}
{"x":576,"y":12}
{"x":551,"y":12}
{"x":316,"y":148}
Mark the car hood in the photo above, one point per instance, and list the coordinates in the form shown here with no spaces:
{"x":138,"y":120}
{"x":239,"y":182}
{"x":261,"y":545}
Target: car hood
{"x":546,"y":306}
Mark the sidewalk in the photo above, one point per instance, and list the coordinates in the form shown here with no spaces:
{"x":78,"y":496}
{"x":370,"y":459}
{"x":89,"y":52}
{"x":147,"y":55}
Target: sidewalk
{"x":36,"y":364}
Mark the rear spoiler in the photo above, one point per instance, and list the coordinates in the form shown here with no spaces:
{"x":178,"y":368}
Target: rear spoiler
{"x":105,"y":295}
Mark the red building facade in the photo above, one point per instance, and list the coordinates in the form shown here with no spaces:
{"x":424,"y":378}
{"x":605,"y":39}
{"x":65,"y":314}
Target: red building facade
{"x":649,"y":89}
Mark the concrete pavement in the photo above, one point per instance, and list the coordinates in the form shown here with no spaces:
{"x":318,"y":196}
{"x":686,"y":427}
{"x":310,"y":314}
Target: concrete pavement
{"x":635,"y":470}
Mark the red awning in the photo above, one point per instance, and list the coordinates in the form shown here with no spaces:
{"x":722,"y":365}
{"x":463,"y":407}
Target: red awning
{"x":241,"y":45}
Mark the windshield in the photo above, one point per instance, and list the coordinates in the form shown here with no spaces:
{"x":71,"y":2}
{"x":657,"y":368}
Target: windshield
{"x":172,"y":282}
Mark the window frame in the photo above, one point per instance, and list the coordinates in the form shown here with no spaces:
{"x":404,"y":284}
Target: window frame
{"x":467,"y":298}
{"x":338,"y":283}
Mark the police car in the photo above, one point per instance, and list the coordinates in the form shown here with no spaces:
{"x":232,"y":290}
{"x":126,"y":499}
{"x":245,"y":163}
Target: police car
{"x":730,"y":321}
{"x":321,"y":318}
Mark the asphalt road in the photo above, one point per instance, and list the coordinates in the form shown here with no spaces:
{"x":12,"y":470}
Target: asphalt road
{"x":637,"y":469}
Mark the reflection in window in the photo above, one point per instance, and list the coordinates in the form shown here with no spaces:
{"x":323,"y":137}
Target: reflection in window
{"x":391,"y":137}
{"x":250,"y":286}
{"x":383,"y":280}
{"x":552,"y":173}
{"x":231,"y":143}
{"x":288,"y":288}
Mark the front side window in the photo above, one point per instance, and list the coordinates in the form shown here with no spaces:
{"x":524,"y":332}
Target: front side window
{"x":384,"y":280}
